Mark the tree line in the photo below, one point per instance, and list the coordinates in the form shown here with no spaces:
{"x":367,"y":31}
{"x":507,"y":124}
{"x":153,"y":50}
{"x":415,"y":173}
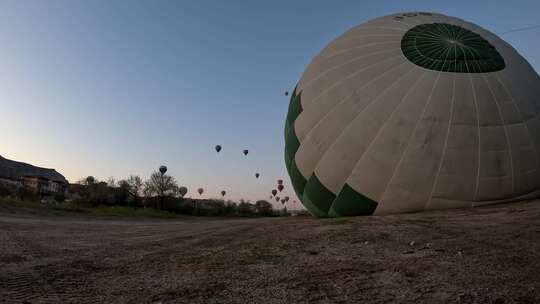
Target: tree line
{"x":160,"y":191}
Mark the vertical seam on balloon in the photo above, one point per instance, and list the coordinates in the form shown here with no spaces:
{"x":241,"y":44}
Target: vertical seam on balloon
{"x":354,"y":37}
{"x":379,"y":132}
{"x":396,"y":169}
{"x":380,"y":27}
{"x":302,"y":83}
{"x":320,"y":56}
{"x":345,"y":98}
{"x":338,"y":52}
{"x":320,"y":75}
{"x":479,"y":140}
{"x":465,"y":60}
{"x":505,"y":130}
{"x":510,"y":94}
{"x":339,"y":103}
{"x":340,"y":81}
{"x":528,"y":85}
{"x":445,"y":145}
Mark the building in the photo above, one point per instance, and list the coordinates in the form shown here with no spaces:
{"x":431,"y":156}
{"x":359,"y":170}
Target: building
{"x":43,"y":185}
{"x":41,"y":180}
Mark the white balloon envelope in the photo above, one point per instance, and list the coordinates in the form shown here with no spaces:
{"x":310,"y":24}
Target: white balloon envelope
{"x":412,"y":112}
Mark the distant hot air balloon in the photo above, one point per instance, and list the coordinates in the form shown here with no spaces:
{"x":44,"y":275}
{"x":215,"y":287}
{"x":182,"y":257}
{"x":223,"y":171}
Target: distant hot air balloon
{"x":200,"y":190}
{"x":218,"y":148}
{"x":286,"y":198}
{"x":271,"y":196}
{"x":257,"y":175}
{"x":162,"y":169}
{"x":274,"y":192}
{"x":90,"y":180}
{"x":280,"y":187}
{"x":246,"y":152}
{"x":223,"y":193}
{"x":286,"y":93}
{"x":280,"y":182}
{"x":283,"y":201}
{"x":183,"y":191}
{"x":277,"y":198}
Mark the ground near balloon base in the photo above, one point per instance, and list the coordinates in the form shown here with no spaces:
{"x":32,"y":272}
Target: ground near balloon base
{"x":482,"y":255}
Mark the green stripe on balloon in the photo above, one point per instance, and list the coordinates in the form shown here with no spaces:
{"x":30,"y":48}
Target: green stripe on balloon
{"x":295,"y":108}
{"x":319,"y":196}
{"x":313,"y":208}
{"x":350,"y":202}
{"x":292,"y":144}
{"x":297,"y":179}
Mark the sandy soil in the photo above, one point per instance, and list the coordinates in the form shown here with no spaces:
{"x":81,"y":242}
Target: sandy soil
{"x":484,"y":255}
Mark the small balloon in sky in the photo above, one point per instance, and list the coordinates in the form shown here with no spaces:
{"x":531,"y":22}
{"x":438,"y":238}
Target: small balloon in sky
{"x":245,"y":152}
{"x":183,"y":191}
{"x":218,"y":148}
{"x":223,"y":192}
{"x":200,"y":190}
{"x":163,"y":169}
{"x":280,"y":188}
{"x":257,"y":175}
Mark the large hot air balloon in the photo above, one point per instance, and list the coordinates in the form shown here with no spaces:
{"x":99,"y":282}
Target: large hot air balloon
{"x":200,"y":190}
{"x":257,"y":175}
{"x":274,"y":192}
{"x":413,"y":112}
{"x":280,"y":187}
{"x":280,"y":182}
{"x":223,"y":193}
{"x":245,"y":152}
{"x":183,"y":191}
{"x":218,"y":148}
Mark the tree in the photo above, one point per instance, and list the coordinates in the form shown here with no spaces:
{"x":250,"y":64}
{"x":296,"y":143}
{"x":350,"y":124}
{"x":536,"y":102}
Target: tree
{"x":264,"y":208}
{"x":86,"y":181}
{"x":161,"y":185}
{"x":111,"y":182}
{"x":245,"y":208}
{"x":133,"y":185}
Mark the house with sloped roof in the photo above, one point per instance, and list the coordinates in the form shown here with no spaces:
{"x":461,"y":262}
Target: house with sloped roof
{"x":42,"y":180}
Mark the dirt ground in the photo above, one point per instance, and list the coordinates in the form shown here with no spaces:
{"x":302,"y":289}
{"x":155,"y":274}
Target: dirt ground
{"x":483,"y":255}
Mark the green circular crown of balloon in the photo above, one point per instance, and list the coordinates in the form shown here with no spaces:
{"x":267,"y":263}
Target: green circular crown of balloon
{"x":450,"y":48}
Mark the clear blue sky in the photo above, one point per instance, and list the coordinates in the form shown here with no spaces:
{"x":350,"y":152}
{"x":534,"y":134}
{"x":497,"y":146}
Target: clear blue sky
{"x":110,"y":88}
